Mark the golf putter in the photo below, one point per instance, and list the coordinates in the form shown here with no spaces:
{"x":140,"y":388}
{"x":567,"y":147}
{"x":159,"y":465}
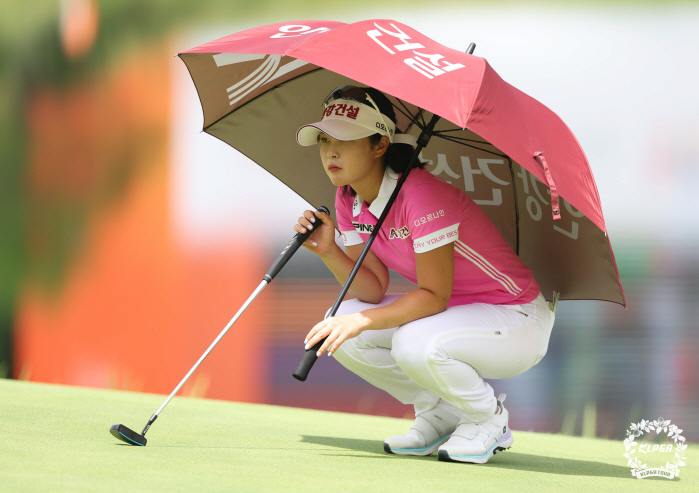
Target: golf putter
{"x":129,"y":436}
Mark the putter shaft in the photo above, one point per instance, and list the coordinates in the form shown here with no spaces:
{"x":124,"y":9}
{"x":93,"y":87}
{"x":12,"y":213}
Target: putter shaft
{"x":257,"y":291}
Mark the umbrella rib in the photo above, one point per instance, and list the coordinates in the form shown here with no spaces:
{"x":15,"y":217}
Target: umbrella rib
{"x":421,"y":116}
{"x":464,"y":139}
{"x":458,"y":141}
{"x":407,"y":114}
{"x":407,"y":111}
{"x":436,"y":132}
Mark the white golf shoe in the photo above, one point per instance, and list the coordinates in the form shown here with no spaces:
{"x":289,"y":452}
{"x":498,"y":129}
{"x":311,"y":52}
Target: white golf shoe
{"x":478,"y":442}
{"x":430,"y":430}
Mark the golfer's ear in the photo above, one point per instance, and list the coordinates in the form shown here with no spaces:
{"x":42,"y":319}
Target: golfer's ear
{"x":382,"y":146}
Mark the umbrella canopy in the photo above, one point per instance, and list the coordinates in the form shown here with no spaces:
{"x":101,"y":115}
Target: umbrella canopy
{"x":512,"y":155}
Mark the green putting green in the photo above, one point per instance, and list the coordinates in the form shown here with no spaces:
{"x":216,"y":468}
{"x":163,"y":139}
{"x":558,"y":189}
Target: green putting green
{"x":56,"y":438}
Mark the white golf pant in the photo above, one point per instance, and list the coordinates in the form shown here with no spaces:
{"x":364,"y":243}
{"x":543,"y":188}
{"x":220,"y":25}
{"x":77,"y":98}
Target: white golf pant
{"x":449,"y":354}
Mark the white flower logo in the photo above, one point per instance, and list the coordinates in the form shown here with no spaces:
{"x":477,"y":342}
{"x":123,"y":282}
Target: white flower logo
{"x":641,"y":470}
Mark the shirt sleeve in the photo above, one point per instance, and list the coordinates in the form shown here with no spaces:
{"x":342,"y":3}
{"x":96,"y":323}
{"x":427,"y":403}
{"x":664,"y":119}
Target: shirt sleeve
{"x":344,"y":223}
{"x":433,"y":215}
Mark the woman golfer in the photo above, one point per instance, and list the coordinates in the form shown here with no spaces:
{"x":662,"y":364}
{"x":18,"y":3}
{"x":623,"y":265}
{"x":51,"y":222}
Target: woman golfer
{"x":477,"y":312}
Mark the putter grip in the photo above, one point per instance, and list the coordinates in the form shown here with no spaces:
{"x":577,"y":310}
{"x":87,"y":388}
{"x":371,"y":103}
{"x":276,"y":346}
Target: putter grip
{"x":290,"y":250}
{"x":307,"y":360}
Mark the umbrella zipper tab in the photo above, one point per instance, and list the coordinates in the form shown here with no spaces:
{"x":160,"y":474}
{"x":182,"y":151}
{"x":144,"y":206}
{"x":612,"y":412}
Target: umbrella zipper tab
{"x":539,"y":156}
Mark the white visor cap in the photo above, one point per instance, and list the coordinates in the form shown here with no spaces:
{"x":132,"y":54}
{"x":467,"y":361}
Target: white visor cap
{"x":345,"y":119}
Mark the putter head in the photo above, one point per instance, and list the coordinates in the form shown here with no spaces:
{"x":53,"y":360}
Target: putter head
{"x":126,"y":435}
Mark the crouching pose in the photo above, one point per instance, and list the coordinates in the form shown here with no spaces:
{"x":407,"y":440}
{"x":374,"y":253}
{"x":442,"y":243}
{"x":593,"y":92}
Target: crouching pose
{"x":477,"y":312}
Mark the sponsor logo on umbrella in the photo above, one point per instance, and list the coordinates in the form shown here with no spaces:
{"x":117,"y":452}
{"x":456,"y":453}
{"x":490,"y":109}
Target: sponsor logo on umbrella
{"x":430,"y":66}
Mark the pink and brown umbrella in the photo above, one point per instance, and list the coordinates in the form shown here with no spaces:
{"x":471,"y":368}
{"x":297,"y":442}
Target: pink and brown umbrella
{"x":511,"y":154}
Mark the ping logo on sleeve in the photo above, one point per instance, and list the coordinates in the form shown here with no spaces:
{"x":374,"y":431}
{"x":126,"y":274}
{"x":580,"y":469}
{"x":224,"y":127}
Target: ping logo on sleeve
{"x":363,"y":228}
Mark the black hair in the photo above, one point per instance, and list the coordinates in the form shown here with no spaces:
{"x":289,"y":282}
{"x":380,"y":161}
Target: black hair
{"x":397,"y":156}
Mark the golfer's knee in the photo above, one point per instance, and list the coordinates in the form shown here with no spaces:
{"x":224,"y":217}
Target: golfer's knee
{"x":349,"y":355}
{"x":412,"y":356}
{"x":360,"y":342}
{"x":350,"y":351}
{"x":350,"y":306}
{"x":341,"y":353}
{"x":408,"y":356}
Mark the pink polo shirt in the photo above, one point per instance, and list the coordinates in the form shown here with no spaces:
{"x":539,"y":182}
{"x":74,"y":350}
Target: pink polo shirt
{"x":427,"y":214}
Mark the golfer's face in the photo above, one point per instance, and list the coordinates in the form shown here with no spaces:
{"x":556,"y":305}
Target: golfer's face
{"x":346,"y":161}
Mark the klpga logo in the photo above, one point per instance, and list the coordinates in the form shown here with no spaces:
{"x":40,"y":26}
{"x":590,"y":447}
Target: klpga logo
{"x":650,"y":448}
{"x":639,"y":463}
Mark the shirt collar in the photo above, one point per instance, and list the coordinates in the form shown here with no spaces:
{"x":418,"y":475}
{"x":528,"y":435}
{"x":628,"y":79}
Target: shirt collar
{"x":388,"y":185}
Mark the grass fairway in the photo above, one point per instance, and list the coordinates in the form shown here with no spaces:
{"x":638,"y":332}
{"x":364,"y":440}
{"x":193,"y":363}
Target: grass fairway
{"x":56,"y":438}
